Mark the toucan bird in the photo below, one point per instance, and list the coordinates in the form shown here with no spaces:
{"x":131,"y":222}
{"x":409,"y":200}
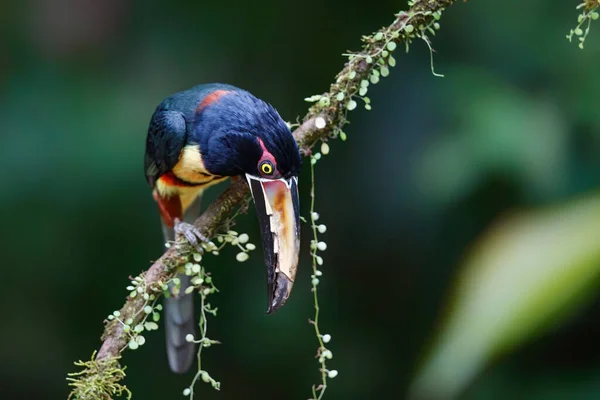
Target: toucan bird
{"x":200,"y":137}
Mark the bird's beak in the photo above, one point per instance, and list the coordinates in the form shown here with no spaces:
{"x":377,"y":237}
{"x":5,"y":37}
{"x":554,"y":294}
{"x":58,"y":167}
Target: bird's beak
{"x":278,"y":213}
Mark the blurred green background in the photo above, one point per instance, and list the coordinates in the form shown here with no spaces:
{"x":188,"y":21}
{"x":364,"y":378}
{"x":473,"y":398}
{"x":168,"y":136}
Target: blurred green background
{"x":514,"y":124}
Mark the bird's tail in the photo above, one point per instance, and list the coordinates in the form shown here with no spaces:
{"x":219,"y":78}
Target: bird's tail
{"x":180,"y":318}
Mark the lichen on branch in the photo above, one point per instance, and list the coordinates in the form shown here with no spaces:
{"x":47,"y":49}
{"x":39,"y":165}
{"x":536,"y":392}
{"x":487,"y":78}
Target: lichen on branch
{"x":98,"y":380}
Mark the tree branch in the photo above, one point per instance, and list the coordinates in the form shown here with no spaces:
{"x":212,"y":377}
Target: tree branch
{"x":324,"y":120}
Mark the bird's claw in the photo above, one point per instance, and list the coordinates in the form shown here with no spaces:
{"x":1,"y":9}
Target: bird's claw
{"x":191,"y":233}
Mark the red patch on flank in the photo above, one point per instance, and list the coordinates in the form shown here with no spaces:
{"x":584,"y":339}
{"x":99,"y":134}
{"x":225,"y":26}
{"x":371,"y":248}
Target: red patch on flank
{"x":170,"y":208}
{"x":170,"y":179}
{"x":211,"y":98}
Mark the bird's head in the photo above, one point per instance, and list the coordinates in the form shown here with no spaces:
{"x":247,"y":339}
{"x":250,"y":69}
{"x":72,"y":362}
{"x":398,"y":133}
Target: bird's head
{"x":241,"y":135}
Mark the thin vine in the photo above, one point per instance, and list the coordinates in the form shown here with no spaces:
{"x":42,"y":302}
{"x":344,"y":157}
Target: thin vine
{"x":588,"y":13}
{"x":205,"y":308}
{"x":323,"y":354}
{"x":202,"y":283}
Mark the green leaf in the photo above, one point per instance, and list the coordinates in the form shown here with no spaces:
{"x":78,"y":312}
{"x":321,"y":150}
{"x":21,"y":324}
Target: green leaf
{"x":524,"y":275}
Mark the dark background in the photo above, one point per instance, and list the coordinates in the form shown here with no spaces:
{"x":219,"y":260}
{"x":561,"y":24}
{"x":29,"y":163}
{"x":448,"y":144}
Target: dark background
{"x":514,"y":123}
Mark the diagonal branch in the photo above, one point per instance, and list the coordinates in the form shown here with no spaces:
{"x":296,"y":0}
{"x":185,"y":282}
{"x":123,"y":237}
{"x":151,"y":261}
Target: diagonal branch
{"x":323,"y":121}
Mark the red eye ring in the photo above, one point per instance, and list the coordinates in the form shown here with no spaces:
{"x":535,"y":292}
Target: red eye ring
{"x":266,"y":167}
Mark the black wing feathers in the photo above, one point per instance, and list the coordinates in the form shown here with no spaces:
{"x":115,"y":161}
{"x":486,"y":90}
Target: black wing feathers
{"x":166,"y":138}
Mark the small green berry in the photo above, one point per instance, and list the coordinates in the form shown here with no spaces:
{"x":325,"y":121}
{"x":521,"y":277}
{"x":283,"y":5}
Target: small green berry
{"x":150,"y":326}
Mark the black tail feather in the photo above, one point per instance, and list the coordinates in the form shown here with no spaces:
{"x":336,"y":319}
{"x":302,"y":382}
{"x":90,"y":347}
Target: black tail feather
{"x":180,"y":318}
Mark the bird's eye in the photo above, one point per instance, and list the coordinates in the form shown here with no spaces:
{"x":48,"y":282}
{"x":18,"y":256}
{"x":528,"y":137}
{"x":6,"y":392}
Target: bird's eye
{"x":266,"y":167}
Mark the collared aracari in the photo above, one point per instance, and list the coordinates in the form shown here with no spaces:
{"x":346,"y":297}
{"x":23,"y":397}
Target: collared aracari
{"x":200,"y":137}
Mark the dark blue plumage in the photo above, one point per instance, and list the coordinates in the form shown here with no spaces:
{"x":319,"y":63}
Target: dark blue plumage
{"x":167,"y":135}
{"x":226,"y":129}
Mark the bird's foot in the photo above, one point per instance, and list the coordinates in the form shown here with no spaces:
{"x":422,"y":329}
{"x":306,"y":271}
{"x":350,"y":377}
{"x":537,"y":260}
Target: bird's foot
{"x":191,"y":233}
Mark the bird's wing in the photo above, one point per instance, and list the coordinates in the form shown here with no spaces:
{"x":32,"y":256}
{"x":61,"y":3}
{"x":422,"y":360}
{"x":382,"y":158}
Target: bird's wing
{"x":167,"y":135}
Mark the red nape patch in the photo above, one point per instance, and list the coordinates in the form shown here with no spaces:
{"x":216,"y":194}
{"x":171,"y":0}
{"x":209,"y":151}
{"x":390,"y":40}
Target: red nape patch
{"x":211,"y":98}
{"x":170,"y":208}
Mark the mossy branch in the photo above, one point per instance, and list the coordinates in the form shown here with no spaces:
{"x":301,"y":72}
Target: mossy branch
{"x":324,"y":120}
